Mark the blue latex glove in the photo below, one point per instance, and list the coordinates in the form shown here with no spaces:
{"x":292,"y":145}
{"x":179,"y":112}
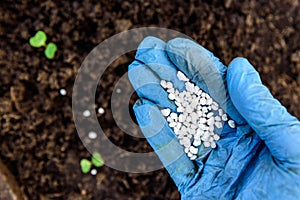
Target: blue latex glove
{"x":259,"y":159}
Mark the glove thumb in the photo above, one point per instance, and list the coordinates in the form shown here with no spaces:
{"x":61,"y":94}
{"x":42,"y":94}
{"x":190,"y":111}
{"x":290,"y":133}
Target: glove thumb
{"x":267,"y":117}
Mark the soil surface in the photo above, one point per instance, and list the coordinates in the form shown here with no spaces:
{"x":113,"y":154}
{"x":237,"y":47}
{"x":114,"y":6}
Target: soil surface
{"x":38,"y":140}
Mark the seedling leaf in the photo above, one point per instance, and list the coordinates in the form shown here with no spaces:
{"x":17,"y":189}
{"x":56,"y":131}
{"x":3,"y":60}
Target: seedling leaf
{"x":50,"y":50}
{"x":38,"y":40}
{"x":97,"y":160}
{"x":86,"y":165}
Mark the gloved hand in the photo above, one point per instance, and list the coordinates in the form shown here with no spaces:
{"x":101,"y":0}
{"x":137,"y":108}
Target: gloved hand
{"x":259,"y":159}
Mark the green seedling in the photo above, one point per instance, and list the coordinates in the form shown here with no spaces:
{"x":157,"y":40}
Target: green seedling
{"x":39,"y":40}
{"x":86,"y":165}
{"x":97,"y":160}
{"x":50,"y":50}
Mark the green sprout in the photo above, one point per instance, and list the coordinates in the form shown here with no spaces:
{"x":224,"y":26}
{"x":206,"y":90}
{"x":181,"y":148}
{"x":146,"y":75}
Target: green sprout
{"x":39,"y":40}
{"x":50,"y":50}
{"x":96,"y":160}
{"x":86,"y":165}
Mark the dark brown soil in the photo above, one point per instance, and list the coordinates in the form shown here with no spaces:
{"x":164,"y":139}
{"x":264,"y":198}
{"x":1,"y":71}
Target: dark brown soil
{"x":38,"y":138}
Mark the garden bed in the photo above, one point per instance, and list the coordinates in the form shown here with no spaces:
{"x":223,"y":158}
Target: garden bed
{"x":38,"y":139}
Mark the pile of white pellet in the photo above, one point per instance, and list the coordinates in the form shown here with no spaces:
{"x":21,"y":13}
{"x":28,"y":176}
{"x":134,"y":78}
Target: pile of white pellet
{"x":196,"y":117}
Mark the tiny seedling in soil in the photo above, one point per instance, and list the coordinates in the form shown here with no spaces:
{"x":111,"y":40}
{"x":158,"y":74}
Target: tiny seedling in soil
{"x":50,"y":50}
{"x":96,"y":160}
{"x":86,"y":165}
{"x":39,"y":40}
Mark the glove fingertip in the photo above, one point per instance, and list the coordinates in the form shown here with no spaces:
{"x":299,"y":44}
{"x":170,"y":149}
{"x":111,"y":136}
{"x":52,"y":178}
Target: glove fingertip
{"x":241,"y":73}
{"x":140,"y":108}
{"x":181,"y":50}
{"x":150,"y":42}
{"x":148,"y":117}
{"x":176,"y":49}
{"x":133,"y":65}
{"x":239,"y":66}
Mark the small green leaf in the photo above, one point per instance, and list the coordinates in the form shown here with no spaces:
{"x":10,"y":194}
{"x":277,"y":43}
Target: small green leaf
{"x":38,"y":40}
{"x":86,"y":165}
{"x":50,"y":50}
{"x":97,"y":160}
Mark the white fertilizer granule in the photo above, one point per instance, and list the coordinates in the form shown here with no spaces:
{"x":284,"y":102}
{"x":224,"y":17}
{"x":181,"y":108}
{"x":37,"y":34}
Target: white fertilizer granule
{"x":93,"y":172}
{"x":196,"y":118}
{"x":86,"y":113}
{"x":63,"y":92}
{"x":92,"y":135}
{"x":101,"y":110}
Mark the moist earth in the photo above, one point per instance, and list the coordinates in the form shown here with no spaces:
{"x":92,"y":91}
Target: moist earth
{"x":38,"y":140}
